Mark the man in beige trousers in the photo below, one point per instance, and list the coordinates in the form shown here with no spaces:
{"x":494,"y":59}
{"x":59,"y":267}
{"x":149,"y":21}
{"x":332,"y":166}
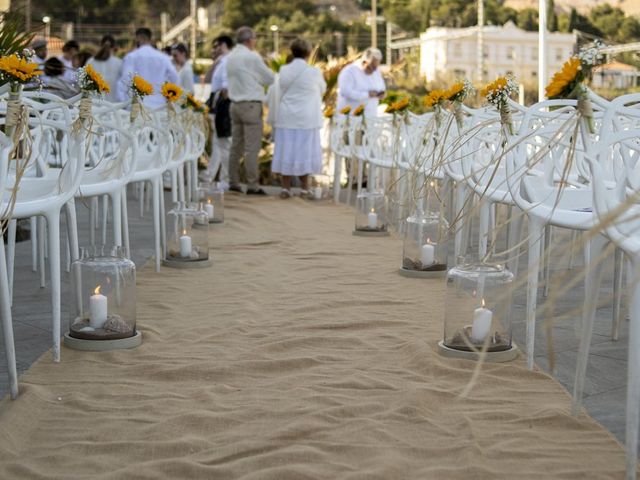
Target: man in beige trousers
{"x":248,"y":76}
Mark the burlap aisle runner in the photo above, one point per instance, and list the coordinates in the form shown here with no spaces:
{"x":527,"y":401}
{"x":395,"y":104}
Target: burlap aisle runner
{"x":300,"y":354}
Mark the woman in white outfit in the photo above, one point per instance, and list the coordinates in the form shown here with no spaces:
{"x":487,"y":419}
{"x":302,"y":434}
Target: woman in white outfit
{"x":108,"y":65}
{"x":298,"y":119}
{"x":180,"y":55}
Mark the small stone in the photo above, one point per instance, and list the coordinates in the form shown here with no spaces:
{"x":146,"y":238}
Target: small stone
{"x":116,"y":324}
{"x":87,"y":329}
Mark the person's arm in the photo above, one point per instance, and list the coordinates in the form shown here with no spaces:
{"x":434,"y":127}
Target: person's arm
{"x":321,"y":82}
{"x":266,"y":74}
{"x":171,"y":74}
{"x":348,"y":88}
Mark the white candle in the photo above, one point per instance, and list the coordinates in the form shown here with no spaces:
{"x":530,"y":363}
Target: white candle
{"x":97,"y":309}
{"x":208,"y":207}
{"x":317,"y":193}
{"x":481,"y":323}
{"x":427,"y":254}
{"x":185,"y":245}
{"x":373,"y":219}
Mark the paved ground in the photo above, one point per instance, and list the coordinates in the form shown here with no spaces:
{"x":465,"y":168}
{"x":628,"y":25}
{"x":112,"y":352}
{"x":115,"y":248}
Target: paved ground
{"x":605,"y":390}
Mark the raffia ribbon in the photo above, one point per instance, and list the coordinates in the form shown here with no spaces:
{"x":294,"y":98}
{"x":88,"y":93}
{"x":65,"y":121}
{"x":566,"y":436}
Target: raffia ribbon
{"x":458,"y":115}
{"x":135,"y":109}
{"x":85,"y":116}
{"x":505,"y":118}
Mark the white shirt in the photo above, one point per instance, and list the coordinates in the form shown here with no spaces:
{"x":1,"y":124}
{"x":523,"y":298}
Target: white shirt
{"x":152,"y":65}
{"x":300,"y":88}
{"x":219,"y":80}
{"x":69,"y":74}
{"x":247,"y":75}
{"x":185,"y":73}
{"x":111,"y":71}
{"x":354,"y":86}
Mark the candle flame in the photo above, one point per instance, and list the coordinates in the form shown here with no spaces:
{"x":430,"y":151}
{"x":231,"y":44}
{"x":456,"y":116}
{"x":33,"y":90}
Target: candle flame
{"x":474,"y":294}
{"x":184,"y":232}
{"x":373,"y":210}
{"x":97,"y":290}
{"x":483,"y":303}
{"x":428,"y":240}
{"x":209,"y":201}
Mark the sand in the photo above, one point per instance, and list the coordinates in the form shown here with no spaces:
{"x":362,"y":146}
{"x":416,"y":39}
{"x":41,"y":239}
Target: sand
{"x":301,"y":354}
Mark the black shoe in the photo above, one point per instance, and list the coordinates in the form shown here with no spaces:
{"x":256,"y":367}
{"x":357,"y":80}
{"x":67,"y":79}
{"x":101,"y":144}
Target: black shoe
{"x":235,"y":188}
{"x":255,"y":191}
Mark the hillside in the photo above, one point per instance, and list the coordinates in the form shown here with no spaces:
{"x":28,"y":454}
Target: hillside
{"x":630,"y":7}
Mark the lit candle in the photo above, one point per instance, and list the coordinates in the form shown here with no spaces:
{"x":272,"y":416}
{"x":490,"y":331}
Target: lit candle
{"x":97,"y":309}
{"x":427,"y":254}
{"x":185,"y":245}
{"x":481,"y":323}
{"x":317,"y":193}
{"x":373,"y":219}
{"x":208,"y":207}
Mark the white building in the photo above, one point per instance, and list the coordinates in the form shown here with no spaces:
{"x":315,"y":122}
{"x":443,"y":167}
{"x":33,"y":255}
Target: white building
{"x":615,"y":75}
{"x":452,"y":53}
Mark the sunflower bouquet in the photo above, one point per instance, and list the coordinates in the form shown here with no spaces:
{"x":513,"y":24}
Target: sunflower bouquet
{"x":399,"y":106}
{"x":435,"y":98}
{"x":345,"y":110}
{"x":16,"y":70}
{"x":570,"y":81}
{"x":91,"y":81}
{"x":139,"y":89}
{"x":194,"y":104}
{"x":171,"y":92}
{"x":457,"y":94}
{"x":329,"y":112}
{"x":358,"y":111}
{"x":497,"y":93}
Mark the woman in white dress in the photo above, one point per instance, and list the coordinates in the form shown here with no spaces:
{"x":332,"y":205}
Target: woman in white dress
{"x":107,"y":64}
{"x":180,"y":55}
{"x":298,"y":119}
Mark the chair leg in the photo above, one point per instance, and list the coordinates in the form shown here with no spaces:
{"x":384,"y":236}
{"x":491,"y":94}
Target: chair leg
{"x":633,"y":377}
{"x":11,"y":253}
{"x":141,"y":187}
{"x":337,"y":173}
{"x":41,"y":240}
{"x":547,"y":259}
{"x":92,"y":220}
{"x":125,"y":222}
{"x":458,"y":215}
{"x":515,"y":236}
{"x":157,"y":191}
{"x":53,"y":224}
{"x":483,"y":229}
{"x":181,"y":183}
{"x":536,"y":231}
{"x":33,"y":221}
{"x":116,"y":199}
{"x":174,"y":186}
{"x":7,"y":326}
{"x":617,"y":294}
{"x":72,"y":229}
{"x":592,"y":282}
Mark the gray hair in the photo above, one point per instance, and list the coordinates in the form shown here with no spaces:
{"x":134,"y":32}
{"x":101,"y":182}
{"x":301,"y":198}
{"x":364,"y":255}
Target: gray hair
{"x":244,"y":34}
{"x":372,"y":53}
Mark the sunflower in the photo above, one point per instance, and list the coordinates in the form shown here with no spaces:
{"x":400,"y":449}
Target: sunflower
{"x":194,"y":103}
{"x":498,"y":85}
{"x":18,"y":68}
{"x":345,"y":110}
{"x":141,"y":87}
{"x":359,"y":110}
{"x":401,"y":104}
{"x":171,"y":91}
{"x":100,"y":85}
{"x":455,"y":90}
{"x":562,"y":79}
{"x":435,"y":97}
{"x":329,"y":112}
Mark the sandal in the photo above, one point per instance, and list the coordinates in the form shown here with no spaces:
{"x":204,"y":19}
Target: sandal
{"x":285,"y":193}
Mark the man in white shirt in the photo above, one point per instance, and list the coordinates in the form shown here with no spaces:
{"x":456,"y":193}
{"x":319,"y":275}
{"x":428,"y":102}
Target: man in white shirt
{"x":221,"y":142}
{"x":247,"y":77}
{"x":69,"y":49}
{"x":180,"y":56}
{"x":151,"y":64}
{"x":360,"y":83}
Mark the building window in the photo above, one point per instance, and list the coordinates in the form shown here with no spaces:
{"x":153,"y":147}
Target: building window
{"x":534,"y":74}
{"x":460,"y":73}
{"x":511,"y":53}
{"x":534,"y":53}
{"x":456,"y":50}
{"x":485,"y":52}
{"x":559,"y":54}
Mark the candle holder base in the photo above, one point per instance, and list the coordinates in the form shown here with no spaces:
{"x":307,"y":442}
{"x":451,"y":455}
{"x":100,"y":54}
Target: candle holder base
{"x":491,"y":357}
{"x":215,"y":220}
{"x":409,"y":273}
{"x":371,"y":233}
{"x":186,"y":263}
{"x":102,"y":345}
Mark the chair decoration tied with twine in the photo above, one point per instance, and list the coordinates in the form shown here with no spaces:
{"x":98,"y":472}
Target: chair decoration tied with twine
{"x":457,"y":94}
{"x":570,"y":81}
{"x":359,"y":134}
{"x":139,"y":89}
{"x":89,"y":82}
{"x":172,"y":93}
{"x":497,"y":93}
{"x":345,"y":111}
{"x":17,"y":70}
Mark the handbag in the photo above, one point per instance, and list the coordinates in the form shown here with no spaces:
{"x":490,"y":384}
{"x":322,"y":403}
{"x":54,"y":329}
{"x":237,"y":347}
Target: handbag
{"x":222,"y":119}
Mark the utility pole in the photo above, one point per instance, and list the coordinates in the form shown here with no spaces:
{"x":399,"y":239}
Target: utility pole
{"x":542,"y":48}
{"x":388,"y":53}
{"x":194,"y":26}
{"x":480,"y":73}
{"x":27,"y":15}
{"x":374,"y":23}
{"x":164,"y":26}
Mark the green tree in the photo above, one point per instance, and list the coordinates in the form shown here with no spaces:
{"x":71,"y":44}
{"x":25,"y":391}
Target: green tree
{"x":552,"y":18}
{"x":528,"y":19}
{"x":573,"y":20}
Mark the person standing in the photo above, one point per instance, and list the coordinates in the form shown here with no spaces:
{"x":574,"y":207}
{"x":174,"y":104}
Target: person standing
{"x":150,"y":64}
{"x":108,"y":65}
{"x":221,"y":141}
{"x":298,"y":119}
{"x":69,"y":50}
{"x":360,"y":83}
{"x":247,"y":77}
{"x":180,"y":56}
{"x":39,"y":47}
